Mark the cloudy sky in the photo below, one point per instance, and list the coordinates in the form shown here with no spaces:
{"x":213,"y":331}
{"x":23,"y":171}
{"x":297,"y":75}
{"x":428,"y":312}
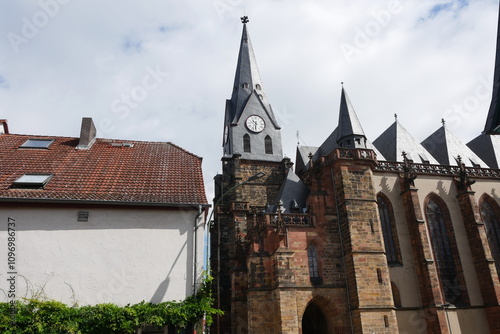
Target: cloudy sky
{"x":160,"y":70}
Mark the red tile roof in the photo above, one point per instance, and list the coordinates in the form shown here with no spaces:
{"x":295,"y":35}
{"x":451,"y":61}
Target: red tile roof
{"x":147,"y":172}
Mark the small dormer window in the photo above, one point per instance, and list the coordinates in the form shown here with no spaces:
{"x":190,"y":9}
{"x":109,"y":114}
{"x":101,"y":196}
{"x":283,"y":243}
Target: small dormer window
{"x":257,"y":86}
{"x":37,"y":143}
{"x":32,"y":181}
{"x":424,"y":159}
{"x":475,"y":164}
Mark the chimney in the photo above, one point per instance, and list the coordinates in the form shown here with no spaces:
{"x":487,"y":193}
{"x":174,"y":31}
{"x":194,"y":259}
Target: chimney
{"x":87,"y":134}
{"x":5,"y":127}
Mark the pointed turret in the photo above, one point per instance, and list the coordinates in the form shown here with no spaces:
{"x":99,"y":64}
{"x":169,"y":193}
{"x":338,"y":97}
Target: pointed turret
{"x":250,"y":128}
{"x":350,"y":134}
{"x":292,"y":195}
{"x":446,"y":147}
{"x":396,"y":140}
{"x":487,"y":148}
{"x":247,"y":78}
{"x":493,"y":119}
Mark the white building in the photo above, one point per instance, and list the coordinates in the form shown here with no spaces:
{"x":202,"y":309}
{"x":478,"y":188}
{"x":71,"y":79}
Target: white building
{"x":98,"y":220}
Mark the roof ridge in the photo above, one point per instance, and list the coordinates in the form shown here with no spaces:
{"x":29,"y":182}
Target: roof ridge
{"x":184,"y":150}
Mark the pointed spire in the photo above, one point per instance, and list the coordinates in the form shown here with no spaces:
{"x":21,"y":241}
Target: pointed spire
{"x":396,"y":143}
{"x":487,"y":148}
{"x":493,"y":120}
{"x":248,"y":105}
{"x":247,"y":79}
{"x":350,"y":134}
{"x":445,"y":147}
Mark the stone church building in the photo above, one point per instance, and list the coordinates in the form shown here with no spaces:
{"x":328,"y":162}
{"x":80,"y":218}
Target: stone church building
{"x":389,"y":236}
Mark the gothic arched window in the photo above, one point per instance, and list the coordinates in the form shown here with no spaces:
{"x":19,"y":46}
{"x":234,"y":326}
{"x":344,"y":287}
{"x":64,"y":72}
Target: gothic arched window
{"x":388,"y":223}
{"x":445,"y":250}
{"x":491,"y":218}
{"x":312,"y":257}
{"x":246,"y":144}
{"x":268,"y":142}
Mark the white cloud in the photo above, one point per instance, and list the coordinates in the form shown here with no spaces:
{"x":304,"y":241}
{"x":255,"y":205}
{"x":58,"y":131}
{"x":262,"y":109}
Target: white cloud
{"x":421,"y":62}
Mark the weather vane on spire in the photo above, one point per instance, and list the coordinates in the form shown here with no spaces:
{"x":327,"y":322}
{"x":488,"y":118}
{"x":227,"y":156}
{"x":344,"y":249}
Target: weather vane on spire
{"x":244,"y":19}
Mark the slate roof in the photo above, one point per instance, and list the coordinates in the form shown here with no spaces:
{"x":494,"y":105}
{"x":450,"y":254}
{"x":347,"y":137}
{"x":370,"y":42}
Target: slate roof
{"x":487,"y":147}
{"x":293,"y":194}
{"x":246,"y":81}
{"x":393,"y":141}
{"x":302,"y":157}
{"x":249,"y":98}
{"x":446,"y":147}
{"x":110,"y":171}
{"x":349,"y":124}
{"x":493,"y":119}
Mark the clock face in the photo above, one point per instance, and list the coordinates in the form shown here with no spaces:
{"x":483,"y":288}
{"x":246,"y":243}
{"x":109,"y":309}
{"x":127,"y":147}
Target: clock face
{"x":255,"y":123}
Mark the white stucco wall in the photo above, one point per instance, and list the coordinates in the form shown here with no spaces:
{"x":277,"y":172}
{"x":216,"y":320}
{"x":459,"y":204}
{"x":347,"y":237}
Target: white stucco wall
{"x":119,"y":256}
{"x":447,"y":192}
{"x":413,"y":320}
{"x":404,"y":277}
{"x":461,"y":321}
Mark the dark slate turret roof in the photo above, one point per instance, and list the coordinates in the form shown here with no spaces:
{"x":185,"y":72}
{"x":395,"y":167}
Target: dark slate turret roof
{"x":396,"y":140}
{"x":302,"y":157}
{"x":248,"y":99}
{"x":493,"y":120}
{"x":293,"y":194}
{"x":487,"y":147}
{"x":446,"y":147}
{"x":247,"y":82}
{"x":349,"y":125}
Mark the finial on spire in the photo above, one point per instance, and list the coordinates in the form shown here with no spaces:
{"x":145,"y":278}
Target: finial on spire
{"x":396,"y":117}
{"x":443,"y":121}
{"x":342,"y":83}
{"x":244,"y":19}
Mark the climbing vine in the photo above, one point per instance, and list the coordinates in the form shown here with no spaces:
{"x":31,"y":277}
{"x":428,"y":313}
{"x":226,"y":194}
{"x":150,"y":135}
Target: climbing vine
{"x":35,"y":316}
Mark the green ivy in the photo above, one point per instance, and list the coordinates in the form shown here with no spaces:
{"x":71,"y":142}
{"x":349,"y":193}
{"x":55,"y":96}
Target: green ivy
{"x":34,"y":316}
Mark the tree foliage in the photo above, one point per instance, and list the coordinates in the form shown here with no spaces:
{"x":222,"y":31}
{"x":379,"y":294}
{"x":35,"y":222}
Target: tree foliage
{"x":35,"y":316}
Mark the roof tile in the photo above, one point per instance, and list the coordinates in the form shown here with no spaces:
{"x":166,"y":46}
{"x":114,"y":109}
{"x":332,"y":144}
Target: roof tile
{"x":147,"y":172}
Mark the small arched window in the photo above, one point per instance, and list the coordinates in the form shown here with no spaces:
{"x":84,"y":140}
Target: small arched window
{"x":491,"y":218}
{"x":268,"y":142}
{"x":445,"y":250}
{"x":312,"y":257}
{"x":246,"y":144}
{"x":389,"y":231}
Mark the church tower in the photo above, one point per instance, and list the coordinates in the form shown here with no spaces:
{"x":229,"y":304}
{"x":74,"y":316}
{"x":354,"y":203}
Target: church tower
{"x":253,"y":169}
{"x":250,"y":128}
{"x":390,"y":237}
